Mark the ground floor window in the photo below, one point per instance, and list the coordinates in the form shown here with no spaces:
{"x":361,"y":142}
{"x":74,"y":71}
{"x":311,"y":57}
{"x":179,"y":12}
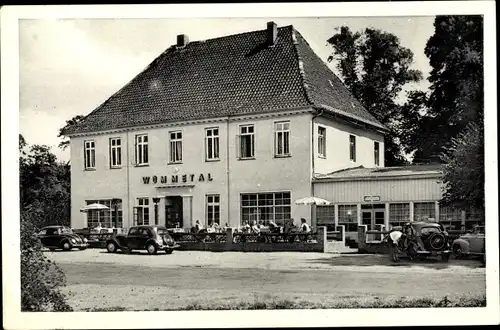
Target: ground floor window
{"x":473,"y":218}
{"x":424,"y":211}
{"x":348,"y":217}
{"x":141,"y":212}
{"x":213,"y":209}
{"x":113,"y":217}
{"x":275,"y":206}
{"x":450,"y":218}
{"x":399,"y":214}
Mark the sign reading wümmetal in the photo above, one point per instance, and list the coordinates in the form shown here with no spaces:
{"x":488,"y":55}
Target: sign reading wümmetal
{"x":184,"y":178}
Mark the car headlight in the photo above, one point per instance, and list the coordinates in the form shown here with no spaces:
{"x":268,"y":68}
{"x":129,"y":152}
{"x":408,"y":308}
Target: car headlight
{"x":73,"y":241}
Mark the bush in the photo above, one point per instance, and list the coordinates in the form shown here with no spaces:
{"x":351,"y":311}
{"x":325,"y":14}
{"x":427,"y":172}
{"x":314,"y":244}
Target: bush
{"x":41,"y":279}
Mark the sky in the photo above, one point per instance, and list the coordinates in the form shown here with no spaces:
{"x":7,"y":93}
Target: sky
{"x":69,"y":67}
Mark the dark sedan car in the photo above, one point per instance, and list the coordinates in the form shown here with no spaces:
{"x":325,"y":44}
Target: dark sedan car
{"x":149,"y":238}
{"x":61,"y":237}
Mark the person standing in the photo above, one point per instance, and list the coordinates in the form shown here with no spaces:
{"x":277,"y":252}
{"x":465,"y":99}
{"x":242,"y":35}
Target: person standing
{"x":305,"y":229}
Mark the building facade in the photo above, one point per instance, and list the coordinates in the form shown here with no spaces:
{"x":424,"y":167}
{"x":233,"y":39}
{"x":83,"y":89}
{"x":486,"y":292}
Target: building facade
{"x":227,"y":130}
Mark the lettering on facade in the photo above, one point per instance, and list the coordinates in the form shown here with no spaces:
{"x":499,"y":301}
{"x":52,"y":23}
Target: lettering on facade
{"x":175,"y":178}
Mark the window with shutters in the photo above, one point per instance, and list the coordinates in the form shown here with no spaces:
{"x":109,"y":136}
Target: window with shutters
{"x":212,"y":144}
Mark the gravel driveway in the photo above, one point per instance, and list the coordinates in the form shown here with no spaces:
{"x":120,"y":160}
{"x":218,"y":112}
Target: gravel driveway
{"x":140,"y":281}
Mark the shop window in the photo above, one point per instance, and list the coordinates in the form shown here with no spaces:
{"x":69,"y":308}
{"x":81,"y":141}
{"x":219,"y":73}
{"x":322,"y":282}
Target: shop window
{"x":111,"y":218}
{"x":399,"y":214}
{"x":89,"y":154}
{"x":246,"y":142}
{"x":141,"y":149}
{"x":212,"y":144}
{"x":321,"y":141}
{"x":424,"y":211}
{"x":473,"y":218}
{"x":325,"y":215}
{"x":282,"y":139}
{"x":176,"y":147}
{"x":142,"y":211}
{"x":352,"y":148}
{"x":266,"y":207}
{"x":348,"y":217}
{"x":213,"y":209}
{"x":115,"y":152}
{"x":450,"y":218}
{"x":376,"y":153}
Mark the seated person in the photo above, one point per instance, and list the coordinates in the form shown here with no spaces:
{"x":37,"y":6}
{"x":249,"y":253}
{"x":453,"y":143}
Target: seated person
{"x":304,"y":228}
{"x":198,"y":226}
{"x":255,"y":228}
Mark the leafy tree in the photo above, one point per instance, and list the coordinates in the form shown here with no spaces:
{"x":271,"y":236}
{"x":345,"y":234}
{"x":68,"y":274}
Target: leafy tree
{"x":464,"y":169}
{"x":62,"y":132}
{"x":455,"y":52}
{"x":41,"y":278}
{"x":376,"y":68}
{"x":45,"y":181}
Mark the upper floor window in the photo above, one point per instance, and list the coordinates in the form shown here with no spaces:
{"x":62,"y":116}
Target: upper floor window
{"x":115,"y":152}
{"x":282,"y":138}
{"x":89,"y":154}
{"x":352,"y":148}
{"x":141,"y":149}
{"x":212,"y":143}
{"x":247,"y":142}
{"x":176,"y":147}
{"x":322,"y":141}
{"x":376,"y":153}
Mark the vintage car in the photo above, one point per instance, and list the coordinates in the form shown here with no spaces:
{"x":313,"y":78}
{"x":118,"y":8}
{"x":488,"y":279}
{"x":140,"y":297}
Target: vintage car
{"x":470,"y":244}
{"x":419,"y":240}
{"x":149,"y":238}
{"x":61,"y":237}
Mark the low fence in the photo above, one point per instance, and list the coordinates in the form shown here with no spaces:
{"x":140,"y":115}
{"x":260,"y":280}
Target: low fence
{"x":233,"y":241}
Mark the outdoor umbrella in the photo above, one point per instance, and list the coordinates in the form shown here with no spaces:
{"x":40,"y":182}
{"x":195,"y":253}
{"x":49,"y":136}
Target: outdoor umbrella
{"x":95,"y":206}
{"x":312,"y":201}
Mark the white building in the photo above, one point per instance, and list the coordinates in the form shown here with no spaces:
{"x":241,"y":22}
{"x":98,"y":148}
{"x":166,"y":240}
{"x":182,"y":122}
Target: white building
{"x":230,"y":129}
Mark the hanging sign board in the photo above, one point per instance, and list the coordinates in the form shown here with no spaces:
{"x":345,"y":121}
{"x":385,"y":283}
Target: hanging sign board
{"x":370,"y":199}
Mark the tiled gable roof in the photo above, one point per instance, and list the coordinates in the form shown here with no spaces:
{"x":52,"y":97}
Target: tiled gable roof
{"x":226,"y":76}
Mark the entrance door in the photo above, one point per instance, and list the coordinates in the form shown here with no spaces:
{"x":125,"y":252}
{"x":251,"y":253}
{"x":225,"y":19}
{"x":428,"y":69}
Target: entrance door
{"x":372,"y":214}
{"x":173,"y":212}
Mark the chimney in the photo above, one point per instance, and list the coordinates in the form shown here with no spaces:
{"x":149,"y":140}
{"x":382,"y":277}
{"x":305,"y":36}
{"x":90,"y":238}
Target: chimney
{"x":272,"y":33}
{"x":182,"y":40}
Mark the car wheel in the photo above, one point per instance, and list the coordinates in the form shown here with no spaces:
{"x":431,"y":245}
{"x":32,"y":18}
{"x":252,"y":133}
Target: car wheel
{"x":66,"y":246}
{"x":151,"y":248}
{"x":111,"y":247}
{"x":457,"y":251}
{"x":169,"y":251}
